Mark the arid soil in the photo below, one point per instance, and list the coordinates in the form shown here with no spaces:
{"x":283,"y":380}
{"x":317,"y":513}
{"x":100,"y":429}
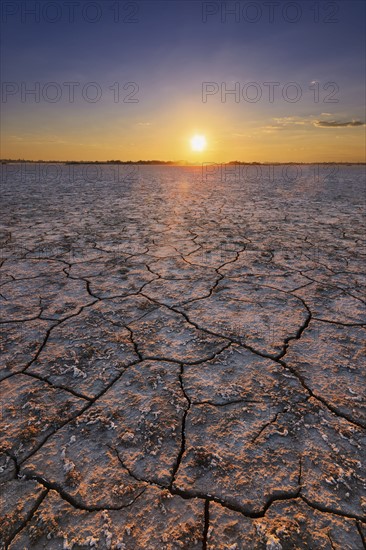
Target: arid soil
{"x":182,"y":362}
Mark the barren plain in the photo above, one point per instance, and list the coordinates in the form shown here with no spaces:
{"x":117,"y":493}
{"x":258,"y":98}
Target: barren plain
{"x":182,"y":360}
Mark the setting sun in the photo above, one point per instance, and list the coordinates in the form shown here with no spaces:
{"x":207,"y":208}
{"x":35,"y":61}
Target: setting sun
{"x":198,"y":143}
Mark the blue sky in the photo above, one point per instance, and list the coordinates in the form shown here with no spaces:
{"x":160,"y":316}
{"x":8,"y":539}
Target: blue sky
{"x":169,"y":51}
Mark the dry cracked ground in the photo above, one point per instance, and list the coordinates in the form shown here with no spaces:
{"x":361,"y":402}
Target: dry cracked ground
{"x":182,"y":362}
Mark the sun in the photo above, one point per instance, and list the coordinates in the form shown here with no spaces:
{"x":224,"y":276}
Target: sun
{"x":198,"y":143}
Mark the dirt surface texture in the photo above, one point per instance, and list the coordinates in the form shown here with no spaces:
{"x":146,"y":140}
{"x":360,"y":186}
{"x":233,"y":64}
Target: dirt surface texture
{"x":183,"y":361}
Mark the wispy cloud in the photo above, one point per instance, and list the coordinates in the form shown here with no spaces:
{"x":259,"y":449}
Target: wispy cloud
{"x":337,"y":124}
{"x":271,"y":128}
{"x":290,"y":121}
{"x":34,"y":138}
{"x":283,"y":123}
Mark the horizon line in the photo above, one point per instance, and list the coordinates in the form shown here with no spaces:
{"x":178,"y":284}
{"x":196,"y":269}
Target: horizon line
{"x":176,"y":162}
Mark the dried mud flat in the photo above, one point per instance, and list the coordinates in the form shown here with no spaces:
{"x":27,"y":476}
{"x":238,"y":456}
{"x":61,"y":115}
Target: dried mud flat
{"x":182,"y":362}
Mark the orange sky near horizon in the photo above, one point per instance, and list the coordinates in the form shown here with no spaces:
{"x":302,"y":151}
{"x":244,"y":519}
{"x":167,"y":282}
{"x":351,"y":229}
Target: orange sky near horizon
{"x":269,"y":140}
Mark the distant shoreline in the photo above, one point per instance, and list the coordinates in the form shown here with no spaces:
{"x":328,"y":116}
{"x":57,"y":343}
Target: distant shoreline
{"x":173,"y":163}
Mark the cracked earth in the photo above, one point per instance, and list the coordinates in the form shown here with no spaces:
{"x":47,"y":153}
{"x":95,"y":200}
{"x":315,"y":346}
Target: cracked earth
{"x":182,"y":363}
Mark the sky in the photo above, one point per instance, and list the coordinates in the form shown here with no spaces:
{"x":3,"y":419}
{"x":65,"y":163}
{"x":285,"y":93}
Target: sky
{"x":138,"y":80}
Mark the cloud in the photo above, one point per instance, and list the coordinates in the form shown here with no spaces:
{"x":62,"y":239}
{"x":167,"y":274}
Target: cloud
{"x":271,"y":128}
{"x":336,"y":124}
{"x":283,"y":123}
{"x":34,"y":138}
{"x":290,"y":121}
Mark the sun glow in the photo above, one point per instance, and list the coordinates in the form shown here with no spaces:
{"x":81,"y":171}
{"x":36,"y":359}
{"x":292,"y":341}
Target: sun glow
{"x":198,"y":143}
